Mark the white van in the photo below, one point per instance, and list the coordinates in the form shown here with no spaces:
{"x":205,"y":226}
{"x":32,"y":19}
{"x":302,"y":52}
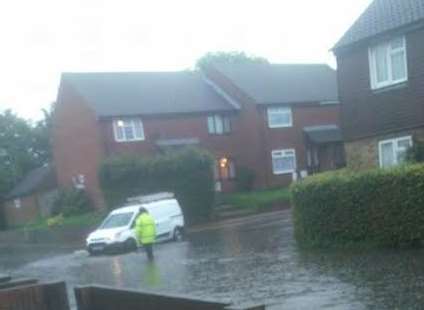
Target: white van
{"x":117,"y":232}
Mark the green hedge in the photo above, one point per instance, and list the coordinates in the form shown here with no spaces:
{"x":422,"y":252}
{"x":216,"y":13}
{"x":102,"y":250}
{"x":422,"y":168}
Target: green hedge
{"x":187,"y":173}
{"x":374,"y":208}
{"x":70,"y":202}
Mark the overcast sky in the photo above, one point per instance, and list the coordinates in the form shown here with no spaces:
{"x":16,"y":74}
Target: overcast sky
{"x":40,"y":39}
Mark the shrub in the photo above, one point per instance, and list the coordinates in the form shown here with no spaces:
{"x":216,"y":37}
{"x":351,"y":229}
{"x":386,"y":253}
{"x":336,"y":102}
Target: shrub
{"x":71,"y":202}
{"x":379,"y":207}
{"x":187,"y":173}
{"x":55,"y":221}
{"x":245,"y":179}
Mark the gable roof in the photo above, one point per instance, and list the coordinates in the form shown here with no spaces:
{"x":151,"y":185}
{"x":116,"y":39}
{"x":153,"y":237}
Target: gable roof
{"x":272,"y":84}
{"x":382,"y":16}
{"x":146,"y":93}
{"x":37,"y":179}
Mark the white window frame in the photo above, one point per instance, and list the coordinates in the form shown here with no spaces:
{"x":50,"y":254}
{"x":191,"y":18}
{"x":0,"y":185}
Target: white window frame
{"x":132,"y":121}
{"x":279,"y":110}
{"x":221,"y":121}
{"x":389,"y":51}
{"x":394,"y":142}
{"x":276,"y":154}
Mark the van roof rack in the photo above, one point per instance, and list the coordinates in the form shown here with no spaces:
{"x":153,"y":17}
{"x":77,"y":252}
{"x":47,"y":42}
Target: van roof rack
{"x":151,"y":197}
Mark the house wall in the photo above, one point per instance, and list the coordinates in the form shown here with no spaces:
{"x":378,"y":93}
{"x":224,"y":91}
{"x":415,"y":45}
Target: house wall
{"x":293,"y":137}
{"x":178,"y":127}
{"x":363,"y":154}
{"x":252,"y":140}
{"x":27,"y":212}
{"x":259,"y":140}
{"x":76,"y":139}
{"x":367,"y":112}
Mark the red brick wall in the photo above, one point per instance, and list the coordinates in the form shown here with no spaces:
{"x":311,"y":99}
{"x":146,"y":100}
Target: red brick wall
{"x":293,"y":137}
{"x":257,"y":140}
{"x":179,"y":127}
{"x":27,"y":212}
{"x":250,"y":143}
{"x":77,"y":144}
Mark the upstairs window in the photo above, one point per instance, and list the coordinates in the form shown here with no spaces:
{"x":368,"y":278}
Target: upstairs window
{"x":284,"y":161}
{"x":280,"y":117}
{"x":128,"y":130}
{"x":219,"y":124}
{"x":393,"y":152}
{"x":388,"y":63}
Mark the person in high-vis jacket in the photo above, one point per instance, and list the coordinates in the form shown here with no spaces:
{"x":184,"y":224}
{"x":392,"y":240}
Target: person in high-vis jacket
{"x":145,"y":228}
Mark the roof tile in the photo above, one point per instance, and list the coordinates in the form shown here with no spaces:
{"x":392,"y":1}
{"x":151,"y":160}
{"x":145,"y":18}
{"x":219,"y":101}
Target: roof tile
{"x":382,"y":16}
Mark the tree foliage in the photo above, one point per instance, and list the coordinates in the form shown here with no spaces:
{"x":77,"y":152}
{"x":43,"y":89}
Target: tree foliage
{"x":23,"y":147}
{"x":234,"y":57}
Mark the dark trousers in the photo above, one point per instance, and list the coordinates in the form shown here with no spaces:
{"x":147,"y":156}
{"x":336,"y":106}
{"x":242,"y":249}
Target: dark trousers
{"x":148,"y":247}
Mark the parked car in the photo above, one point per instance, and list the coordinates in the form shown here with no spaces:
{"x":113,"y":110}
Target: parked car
{"x":117,"y":232}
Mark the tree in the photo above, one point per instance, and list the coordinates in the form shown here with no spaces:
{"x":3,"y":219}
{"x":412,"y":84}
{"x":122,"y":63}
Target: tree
{"x":42,"y":136}
{"x":233,"y":57}
{"x":23,"y":147}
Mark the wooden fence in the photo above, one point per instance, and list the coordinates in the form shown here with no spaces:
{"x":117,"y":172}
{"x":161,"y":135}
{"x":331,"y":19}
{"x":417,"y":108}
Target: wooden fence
{"x":27,"y":294}
{"x":106,"y":298}
{"x":48,"y":296}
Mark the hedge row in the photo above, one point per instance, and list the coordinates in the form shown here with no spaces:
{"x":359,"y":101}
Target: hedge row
{"x":378,"y":208}
{"x":188,"y":173}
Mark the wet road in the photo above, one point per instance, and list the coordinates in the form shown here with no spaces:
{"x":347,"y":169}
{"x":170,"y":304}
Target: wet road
{"x":244,"y":261}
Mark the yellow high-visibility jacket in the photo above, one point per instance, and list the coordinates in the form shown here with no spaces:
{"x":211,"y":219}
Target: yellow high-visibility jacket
{"x":145,"y":229}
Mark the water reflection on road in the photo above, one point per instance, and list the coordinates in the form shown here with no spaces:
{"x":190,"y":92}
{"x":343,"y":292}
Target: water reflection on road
{"x":256,"y":261}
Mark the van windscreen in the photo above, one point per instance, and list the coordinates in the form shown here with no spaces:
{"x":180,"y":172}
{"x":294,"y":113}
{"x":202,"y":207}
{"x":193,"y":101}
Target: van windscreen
{"x":117,"y":220}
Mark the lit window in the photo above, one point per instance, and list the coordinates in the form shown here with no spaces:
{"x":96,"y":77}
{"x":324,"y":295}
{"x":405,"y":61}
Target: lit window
{"x":127,"y":130}
{"x":284,"y":161}
{"x":17,"y":203}
{"x":280,"y":117}
{"x":225,"y":169}
{"x":219,"y":124}
{"x":393,"y":152}
{"x":388,"y":63}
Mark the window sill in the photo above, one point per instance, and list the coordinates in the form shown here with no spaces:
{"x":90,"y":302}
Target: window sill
{"x":220,"y":134}
{"x":283,"y":172}
{"x":276,"y":127}
{"x":130,"y":141}
{"x":391,"y":87}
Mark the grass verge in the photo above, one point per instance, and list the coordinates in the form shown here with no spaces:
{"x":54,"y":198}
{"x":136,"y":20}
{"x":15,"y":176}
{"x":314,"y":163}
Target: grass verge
{"x":258,"y":200}
{"x":90,"y":219}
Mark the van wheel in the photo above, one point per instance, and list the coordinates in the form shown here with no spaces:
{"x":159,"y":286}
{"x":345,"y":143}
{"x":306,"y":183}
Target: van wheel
{"x":130,"y":245}
{"x":178,"y":234}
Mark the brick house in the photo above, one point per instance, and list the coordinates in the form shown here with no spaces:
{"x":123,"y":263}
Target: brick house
{"x":31,"y":198}
{"x":263,"y":117}
{"x":381,"y":83}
